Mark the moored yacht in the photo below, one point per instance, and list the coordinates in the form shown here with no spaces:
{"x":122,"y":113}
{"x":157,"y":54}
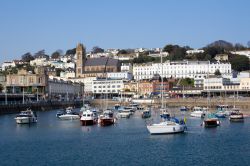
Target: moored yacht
{"x":184,"y":108}
{"x":26,"y":117}
{"x":107,"y":118}
{"x":211,"y":121}
{"x":198,"y":112}
{"x":236,"y":116}
{"x":124,"y":113}
{"x":68,"y":114}
{"x":164,"y":113}
{"x":146,"y":113}
{"x":170,"y":126}
{"x":89,"y":118}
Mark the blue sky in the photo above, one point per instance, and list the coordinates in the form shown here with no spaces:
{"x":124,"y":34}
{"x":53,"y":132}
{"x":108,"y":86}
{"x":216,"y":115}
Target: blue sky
{"x":32,"y":25}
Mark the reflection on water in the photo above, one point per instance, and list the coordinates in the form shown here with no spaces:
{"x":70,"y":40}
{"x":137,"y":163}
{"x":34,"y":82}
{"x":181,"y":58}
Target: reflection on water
{"x":128,"y":142}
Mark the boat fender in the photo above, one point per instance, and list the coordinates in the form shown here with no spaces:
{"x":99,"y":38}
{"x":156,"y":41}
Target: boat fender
{"x":174,"y":128}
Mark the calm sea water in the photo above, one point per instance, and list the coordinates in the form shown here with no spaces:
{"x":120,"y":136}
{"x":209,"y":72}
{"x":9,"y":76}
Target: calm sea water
{"x":56,"y":142}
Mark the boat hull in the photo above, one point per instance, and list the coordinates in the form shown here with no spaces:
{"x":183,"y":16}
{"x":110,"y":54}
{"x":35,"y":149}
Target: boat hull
{"x":69,"y":117}
{"x":211,"y":123}
{"x":236,"y":118}
{"x":107,"y":122}
{"x":25,"y":120}
{"x":88,"y":122}
{"x":156,"y":130}
{"x":198,"y":115}
{"x":124,"y":115}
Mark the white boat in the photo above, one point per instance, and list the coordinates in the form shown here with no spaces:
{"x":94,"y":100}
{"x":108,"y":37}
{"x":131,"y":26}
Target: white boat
{"x":125,"y":113}
{"x":198,"y":112}
{"x":69,"y":115}
{"x":164,"y":113}
{"x":236,"y":115}
{"x":167,"y":127}
{"x":89,"y":118}
{"x":107,"y":118}
{"x":146,"y":113}
{"x":26,"y":117}
{"x":171,"y":125}
{"x":211,"y":121}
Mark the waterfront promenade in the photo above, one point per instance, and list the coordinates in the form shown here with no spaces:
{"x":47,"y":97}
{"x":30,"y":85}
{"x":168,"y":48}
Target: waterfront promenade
{"x":243,"y":103}
{"x":38,"y":106}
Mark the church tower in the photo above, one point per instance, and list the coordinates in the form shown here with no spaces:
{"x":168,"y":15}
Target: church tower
{"x":80,"y":59}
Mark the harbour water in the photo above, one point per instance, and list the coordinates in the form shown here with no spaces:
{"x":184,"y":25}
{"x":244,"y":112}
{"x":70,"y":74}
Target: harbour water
{"x":55,"y":142}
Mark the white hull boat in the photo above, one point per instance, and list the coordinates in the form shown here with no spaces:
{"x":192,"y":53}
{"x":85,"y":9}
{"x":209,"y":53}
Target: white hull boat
{"x":69,"y":117}
{"x":166,"y":127}
{"x":198,"y":112}
{"x":89,"y":118}
{"x":26,"y":117}
{"x":124,"y":114}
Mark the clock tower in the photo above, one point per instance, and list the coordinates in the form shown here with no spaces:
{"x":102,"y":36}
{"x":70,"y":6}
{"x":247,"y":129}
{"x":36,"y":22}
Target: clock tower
{"x":80,"y":59}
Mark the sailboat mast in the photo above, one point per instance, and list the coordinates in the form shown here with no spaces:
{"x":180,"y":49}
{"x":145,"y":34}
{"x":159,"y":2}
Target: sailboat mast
{"x":161,"y":83}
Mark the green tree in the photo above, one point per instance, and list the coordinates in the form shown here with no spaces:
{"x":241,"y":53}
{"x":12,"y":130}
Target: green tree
{"x":187,"y":82}
{"x":217,"y":72}
{"x":239,"y":62}
{"x":97,"y":49}
{"x":1,"y":87}
{"x":175,"y":52}
{"x":27,"y":57}
{"x":55,"y":55}
{"x":71,"y":51}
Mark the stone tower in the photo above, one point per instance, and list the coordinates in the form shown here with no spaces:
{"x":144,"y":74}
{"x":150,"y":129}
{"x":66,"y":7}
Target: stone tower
{"x":80,"y":59}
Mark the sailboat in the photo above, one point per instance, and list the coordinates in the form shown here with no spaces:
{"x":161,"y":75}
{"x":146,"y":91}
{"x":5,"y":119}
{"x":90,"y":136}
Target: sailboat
{"x":169,"y":125}
{"x":107,"y":117}
{"x":210,"y":119}
{"x":235,"y":114}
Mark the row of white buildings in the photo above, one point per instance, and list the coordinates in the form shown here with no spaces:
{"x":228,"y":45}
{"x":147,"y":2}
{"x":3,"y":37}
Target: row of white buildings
{"x":180,"y":69}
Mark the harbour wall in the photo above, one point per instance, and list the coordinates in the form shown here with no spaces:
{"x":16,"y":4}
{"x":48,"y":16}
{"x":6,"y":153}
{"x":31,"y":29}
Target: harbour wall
{"x":243,"y":103}
{"x":40,"y":106}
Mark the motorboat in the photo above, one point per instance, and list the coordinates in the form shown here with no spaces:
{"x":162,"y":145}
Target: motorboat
{"x":211,"y":121}
{"x":236,"y":115}
{"x":220,"y":114}
{"x":146,"y":113}
{"x":26,"y":117}
{"x":68,"y":114}
{"x":198,"y":112}
{"x":107,"y":118}
{"x":131,"y":109}
{"x":164,"y":113}
{"x":170,"y":126}
{"x":183,"y":108}
{"x":124,"y":113}
{"x":89,"y":118}
{"x":224,"y":109}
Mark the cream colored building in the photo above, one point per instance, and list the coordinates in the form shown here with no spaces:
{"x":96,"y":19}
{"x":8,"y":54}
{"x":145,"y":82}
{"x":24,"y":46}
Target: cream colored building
{"x":245,"y":84}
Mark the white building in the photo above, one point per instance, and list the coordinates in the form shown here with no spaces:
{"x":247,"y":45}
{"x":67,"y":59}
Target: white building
{"x":68,"y":74}
{"x":100,"y":54}
{"x":66,"y":89}
{"x":8,"y":64}
{"x":246,"y":53}
{"x":62,"y":65}
{"x":137,"y":50}
{"x":42,"y":61}
{"x":180,"y":69}
{"x":67,"y":58}
{"x":107,"y":86}
{"x":163,"y":54}
{"x":120,"y":75}
{"x":245,"y":84}
{"x":126,"y":67}
{"x":113,"y":51}
{"x":195,"y":51}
